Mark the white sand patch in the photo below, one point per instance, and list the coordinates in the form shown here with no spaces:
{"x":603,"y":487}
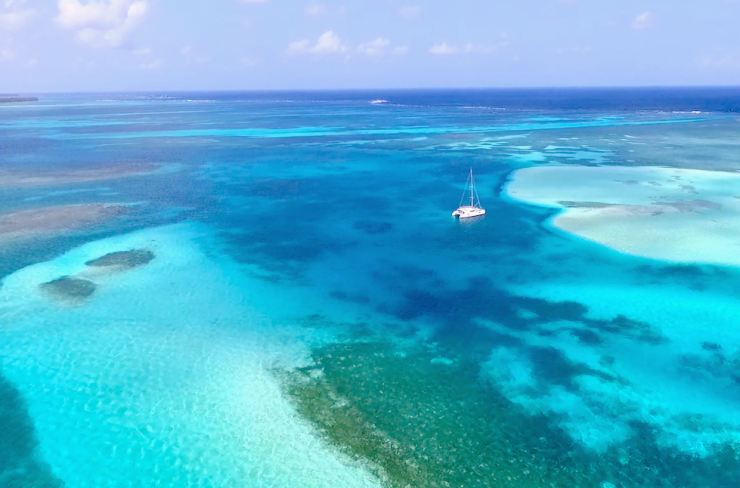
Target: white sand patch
{"x":678,"y":215}
{"x":163,"y":376}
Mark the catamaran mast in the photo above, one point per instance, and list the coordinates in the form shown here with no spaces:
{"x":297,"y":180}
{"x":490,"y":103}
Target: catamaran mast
{"x":472,"y":188}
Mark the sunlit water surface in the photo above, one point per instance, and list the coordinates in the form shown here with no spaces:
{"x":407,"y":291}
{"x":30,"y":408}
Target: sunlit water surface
{"x":283,"y":298}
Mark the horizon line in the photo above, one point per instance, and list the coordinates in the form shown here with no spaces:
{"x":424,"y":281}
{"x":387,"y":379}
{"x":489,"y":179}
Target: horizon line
{"x":314,"y":90}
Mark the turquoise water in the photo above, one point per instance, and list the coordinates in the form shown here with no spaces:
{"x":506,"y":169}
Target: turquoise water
{"x":325,"y":227}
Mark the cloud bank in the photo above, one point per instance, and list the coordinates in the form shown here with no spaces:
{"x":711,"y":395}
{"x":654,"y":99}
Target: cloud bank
{"x":13,"y":16}
{"x":101,"y":23}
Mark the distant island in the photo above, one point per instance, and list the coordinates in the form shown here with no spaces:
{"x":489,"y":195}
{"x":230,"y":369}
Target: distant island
{"x":16,"y":99}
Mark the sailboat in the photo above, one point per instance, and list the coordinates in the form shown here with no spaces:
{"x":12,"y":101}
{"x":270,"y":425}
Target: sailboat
{"x":474,"y":209}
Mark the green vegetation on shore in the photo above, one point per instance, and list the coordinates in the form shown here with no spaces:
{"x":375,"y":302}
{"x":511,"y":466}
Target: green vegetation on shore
{"x":16,"y":99}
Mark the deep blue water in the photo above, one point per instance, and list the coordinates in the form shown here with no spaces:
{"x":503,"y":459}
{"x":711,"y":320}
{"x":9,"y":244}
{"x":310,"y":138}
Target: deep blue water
{"x":268,"y":210}
{"x":714,"y":99}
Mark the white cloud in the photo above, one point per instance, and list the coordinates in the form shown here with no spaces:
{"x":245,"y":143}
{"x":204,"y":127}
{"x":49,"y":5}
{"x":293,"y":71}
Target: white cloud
{"x":400,"y":50}
{"x":13,"y":16}
{"x":410,"y":12}
{"x":315,"y":10}
{"x":374,"y":48}
{"x":328,"y":43}
{"x":6,"y":54}
{"x":152,"y":65}
{"x":486,"y":49}
{"x":723,"y":60}
{"x":643,"y":21}
{"x":102,"y":23}
{"x":442,"y":49}
{"x":299,"y":46}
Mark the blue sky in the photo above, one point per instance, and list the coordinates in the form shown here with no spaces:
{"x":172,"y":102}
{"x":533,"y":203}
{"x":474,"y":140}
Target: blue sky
{"x":121,"y":45}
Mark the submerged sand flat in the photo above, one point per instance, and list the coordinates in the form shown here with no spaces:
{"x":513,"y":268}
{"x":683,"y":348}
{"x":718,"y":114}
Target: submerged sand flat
{"x":26,"y":179}
{"x":679,"y":215}
{"x":172,"y":378}
{"x":51,"y":220}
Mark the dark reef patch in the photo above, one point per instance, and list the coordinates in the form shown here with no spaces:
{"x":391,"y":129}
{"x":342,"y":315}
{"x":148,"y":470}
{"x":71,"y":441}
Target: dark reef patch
{"x":20,"y":464}
{"x":285,"y":188}
{"x":684,"y":206}
{"x":460,"y":311}
{"x":286,"y":238}
{"x":691,"y":276}
{"x":569,"y":204}
{"x":70,"y":288}
{"x":373,"y":227}
{"x":692,"y":271}
{"x":423,"y":424}
{"x":713,"y":364}
{"x":552,"y":367}
{"x":420,"y":423}
{"x":347,"y":297}
{"x":124,"y":259}
{"x":586,"y":336}
{"x":711,"y":346}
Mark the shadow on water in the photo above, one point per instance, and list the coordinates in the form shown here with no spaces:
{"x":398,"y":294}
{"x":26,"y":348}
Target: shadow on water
{"x":20,"y":463}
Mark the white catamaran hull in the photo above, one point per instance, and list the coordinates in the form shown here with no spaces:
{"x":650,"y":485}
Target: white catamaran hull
{"x":468,"y":212}
{"x":474,"y":209}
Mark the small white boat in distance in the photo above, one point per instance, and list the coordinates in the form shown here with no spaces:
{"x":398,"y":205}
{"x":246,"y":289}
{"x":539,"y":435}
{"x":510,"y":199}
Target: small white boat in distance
{"x":474,"y":209}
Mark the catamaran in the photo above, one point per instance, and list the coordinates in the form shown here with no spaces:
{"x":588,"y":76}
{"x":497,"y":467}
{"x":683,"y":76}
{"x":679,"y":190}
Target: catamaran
{"x":474,"y":209}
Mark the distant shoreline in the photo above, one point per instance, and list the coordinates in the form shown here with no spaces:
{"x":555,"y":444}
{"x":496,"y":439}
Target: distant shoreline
{"x":6,"y":99}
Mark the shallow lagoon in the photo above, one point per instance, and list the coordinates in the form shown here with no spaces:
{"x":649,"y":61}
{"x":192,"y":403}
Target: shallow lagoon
{"x":669,"y":214}
{"x":285,"y":326}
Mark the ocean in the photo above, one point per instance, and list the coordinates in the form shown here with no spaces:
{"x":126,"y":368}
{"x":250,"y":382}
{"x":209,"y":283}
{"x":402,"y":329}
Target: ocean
{"x":267,"y":289}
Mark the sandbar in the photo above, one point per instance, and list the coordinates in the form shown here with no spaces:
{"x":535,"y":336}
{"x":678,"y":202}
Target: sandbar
{"x":670,"y":214}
